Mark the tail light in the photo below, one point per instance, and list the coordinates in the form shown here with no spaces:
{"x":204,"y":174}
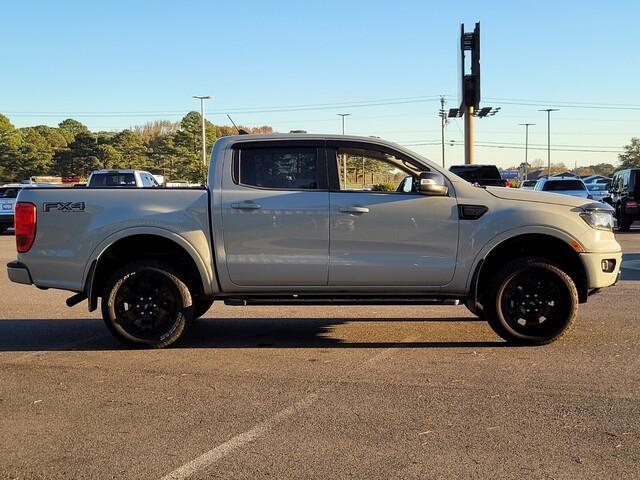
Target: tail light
{"x":25,"y":225}
{"x":589,"y":197}
{"x":632,"y":203}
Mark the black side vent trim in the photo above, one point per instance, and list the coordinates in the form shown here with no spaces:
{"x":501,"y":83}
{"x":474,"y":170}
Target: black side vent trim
{"x":471,"y":212}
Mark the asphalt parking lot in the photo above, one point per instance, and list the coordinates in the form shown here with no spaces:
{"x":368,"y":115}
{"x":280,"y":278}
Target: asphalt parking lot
{"x":316,"y":392}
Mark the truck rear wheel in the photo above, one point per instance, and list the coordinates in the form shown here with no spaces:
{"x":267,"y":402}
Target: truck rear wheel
{"x":146,"y":304}
{"x":532,"y":301}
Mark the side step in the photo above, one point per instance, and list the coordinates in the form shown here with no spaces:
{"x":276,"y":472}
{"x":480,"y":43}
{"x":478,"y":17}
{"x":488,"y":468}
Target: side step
{"x":317,"y":300}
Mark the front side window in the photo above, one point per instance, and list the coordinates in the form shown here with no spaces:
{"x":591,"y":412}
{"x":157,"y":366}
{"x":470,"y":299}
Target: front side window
{"x":373,"y":171}
{"x":294,"y":168}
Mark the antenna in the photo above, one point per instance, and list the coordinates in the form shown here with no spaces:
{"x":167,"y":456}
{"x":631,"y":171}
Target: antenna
{"x":234,"y":123}
{"x":241,"y":131}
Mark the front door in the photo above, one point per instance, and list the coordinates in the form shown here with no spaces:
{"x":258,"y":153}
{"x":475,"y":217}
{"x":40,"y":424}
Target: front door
{"x":275,"y":215}
{"x":383,"y":232}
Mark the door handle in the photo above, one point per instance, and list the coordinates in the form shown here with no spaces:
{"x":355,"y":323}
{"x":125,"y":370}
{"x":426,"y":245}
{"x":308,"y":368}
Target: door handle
{"x":355,"y":209}
{"x":246,"y":206}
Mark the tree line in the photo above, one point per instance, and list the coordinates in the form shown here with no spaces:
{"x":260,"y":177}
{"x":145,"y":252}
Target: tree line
{"x":173,"y":149}
{"x":162,"y":147}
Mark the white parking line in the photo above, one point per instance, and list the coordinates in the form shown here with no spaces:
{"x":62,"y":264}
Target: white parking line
{"x":261,"y":429}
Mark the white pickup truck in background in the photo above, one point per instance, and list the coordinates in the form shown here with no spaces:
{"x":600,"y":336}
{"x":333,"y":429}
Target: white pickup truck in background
{"x":317,"y":219}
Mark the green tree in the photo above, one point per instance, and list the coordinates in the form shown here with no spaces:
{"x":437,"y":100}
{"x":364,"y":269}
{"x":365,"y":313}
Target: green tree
{"x":131,"y":150}
{"x":605,"y":169}
{"x":36,"y":154}
{"x":71,"y":128}
{"x":10,"y":146}
{"x":80,"y":158}
{"x":631,"y":156}
{"x":108,"y":156}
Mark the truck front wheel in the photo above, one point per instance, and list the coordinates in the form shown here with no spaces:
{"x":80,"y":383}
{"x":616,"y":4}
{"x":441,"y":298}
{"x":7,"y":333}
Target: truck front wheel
{"x":531,"y":301}
{"x":146,"y":304}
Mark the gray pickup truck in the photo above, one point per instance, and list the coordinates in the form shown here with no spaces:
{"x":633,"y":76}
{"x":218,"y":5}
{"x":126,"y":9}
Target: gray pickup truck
{"x":317,"y":219}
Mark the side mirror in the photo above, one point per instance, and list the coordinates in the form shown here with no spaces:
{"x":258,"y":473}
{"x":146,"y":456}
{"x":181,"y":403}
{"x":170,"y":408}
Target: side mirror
{"x":433,"y":184}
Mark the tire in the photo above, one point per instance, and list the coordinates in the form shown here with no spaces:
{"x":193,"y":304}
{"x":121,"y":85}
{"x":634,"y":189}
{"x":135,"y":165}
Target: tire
{"x":145,"y":303}
{"x":624,"y":222}
{"x":548,"y":291}
{"x":474,"y":308}
{"x":201,"y":306}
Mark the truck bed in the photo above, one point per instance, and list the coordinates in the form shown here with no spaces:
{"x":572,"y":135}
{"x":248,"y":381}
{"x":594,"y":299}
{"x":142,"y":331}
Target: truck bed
{"x":74,"y":226}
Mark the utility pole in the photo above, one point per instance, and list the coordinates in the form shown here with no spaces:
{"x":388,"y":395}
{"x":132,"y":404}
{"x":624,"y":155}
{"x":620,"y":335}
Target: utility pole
{"x":548,"y":110}
{"x":202,"y":98}
{"x":526,"y":148}
{"x":344,"y":156}
{"x":443,"y":116}
{"x":468,"y":135}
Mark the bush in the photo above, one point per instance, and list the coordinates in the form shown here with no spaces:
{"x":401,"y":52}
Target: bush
{"x":383,"y":187}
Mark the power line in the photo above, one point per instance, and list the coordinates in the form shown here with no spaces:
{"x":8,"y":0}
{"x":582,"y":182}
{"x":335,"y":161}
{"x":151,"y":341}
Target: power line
{"x":271,"y":109}
{"x":566,"y":104}
{"x":516,"y":147}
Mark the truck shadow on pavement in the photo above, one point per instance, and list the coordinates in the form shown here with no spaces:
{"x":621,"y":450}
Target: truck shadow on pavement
{"x":210,"y":332}
{"x":630,"y":266}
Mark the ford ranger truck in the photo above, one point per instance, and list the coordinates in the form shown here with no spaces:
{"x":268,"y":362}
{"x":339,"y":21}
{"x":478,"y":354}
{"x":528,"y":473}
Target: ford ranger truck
{"x":317,"y":219}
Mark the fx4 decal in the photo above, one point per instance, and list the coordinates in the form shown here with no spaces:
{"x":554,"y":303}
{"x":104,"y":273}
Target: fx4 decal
{"x":63,"y":206}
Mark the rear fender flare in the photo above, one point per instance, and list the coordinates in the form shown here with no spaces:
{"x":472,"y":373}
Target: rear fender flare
{"x":206,"y":275}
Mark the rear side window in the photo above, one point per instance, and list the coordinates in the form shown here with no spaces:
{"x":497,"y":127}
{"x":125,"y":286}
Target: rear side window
{"x":9,"y":192}
{"x":557,"y":186}
{"x":294,"y":168}
{"x":113,"y":180}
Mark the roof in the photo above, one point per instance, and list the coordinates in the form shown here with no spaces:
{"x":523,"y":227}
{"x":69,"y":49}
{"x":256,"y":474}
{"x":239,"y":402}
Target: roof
{"x":118,"y":170}
{"x":231,"y":139}
{"x":560,"y":179}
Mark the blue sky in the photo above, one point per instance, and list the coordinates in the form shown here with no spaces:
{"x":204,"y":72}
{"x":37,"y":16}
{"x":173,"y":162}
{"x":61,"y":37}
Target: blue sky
{"x":117,"y":64}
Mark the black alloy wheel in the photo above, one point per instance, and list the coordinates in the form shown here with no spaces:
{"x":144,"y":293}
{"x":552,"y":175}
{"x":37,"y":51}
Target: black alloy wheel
{"x":534,"y":302}
{"x":146,"y":303}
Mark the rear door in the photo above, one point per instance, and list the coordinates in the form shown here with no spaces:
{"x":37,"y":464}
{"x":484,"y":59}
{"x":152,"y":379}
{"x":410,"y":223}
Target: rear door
{"x":384,"y":233}
{"x":275,"y":214}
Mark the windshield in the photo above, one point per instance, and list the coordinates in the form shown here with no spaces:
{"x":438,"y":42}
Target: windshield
{"x":9,"y":192}
{"x":598,"y":187}
{"x":559,"y":185}
{"x":113,"y":180}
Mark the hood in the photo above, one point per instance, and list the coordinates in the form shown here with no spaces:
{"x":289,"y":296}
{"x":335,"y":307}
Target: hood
{"x":536,"y":196}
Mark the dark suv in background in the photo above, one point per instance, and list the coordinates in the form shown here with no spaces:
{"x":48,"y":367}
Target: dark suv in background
{"x":625,"y":190}
{"x":483,"y":175}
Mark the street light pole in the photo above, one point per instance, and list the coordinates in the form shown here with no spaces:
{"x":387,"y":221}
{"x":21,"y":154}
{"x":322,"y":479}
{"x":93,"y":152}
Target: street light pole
{"x":343,"y":115}
{"x":202,"y":98}
{"x":526,"y":148}
{"x":549,"y":110}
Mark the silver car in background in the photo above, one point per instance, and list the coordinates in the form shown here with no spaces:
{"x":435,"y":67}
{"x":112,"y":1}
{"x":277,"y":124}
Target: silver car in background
{"x":598,"y":190}
{"x":563,"y":185}
{"x":8,"y":194}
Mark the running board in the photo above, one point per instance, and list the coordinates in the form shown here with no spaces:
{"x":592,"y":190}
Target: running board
{"x":311,"y":300}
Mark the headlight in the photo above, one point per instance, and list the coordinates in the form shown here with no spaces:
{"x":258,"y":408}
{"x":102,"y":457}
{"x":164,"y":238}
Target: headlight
{"x":601,"y":219}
